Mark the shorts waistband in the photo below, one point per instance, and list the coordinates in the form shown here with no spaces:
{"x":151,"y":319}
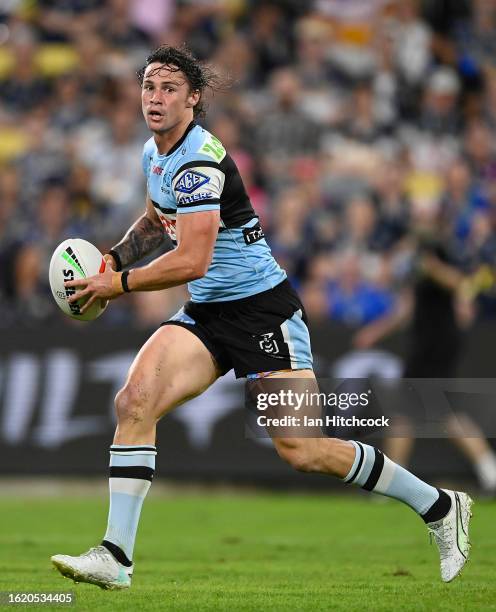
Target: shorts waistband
{"x":229,"y":305}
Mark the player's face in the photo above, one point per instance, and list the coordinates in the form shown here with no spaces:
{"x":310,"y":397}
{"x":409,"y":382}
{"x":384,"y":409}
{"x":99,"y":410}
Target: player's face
{"x":166,"y":98}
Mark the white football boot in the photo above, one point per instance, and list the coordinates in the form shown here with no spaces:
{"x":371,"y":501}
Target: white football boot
{"x":451,"y":535}
{"x":97,"y":566}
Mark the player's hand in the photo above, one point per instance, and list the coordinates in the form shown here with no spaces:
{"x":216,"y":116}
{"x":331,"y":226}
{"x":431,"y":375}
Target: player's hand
{"x":104,"y":286}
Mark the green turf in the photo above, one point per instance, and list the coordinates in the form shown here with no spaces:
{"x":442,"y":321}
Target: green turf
{"x":252,"y":552}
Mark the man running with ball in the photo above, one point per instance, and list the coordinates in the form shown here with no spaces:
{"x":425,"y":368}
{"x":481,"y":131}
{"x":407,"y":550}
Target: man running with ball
{"x":243,"y":314}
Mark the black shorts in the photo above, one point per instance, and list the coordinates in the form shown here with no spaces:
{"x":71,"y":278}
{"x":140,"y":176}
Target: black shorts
{"x":265,"y":332}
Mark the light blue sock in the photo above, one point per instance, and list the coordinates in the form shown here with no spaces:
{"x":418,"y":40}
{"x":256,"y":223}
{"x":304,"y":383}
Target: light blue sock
{"x":373,"y":471}
{"x":131,"y":474}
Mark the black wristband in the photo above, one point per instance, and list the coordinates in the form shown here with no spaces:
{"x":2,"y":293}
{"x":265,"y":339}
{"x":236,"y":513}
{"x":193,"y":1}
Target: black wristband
{"x":124,"y":284}
{"x":117,"y":259}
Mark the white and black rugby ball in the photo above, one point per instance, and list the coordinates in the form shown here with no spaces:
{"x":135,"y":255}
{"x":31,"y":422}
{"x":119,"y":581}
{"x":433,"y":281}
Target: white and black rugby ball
{"x":73,"y":259}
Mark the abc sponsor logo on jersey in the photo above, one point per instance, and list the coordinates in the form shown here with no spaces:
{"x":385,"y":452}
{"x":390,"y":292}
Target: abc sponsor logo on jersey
{"x":190,"y":181}
{"x":197,"y":197}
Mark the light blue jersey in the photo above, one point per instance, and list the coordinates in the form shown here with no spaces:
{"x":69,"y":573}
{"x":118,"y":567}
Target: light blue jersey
{"x":197,"y":175}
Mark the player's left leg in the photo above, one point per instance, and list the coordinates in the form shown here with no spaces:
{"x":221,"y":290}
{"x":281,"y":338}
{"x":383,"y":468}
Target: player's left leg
{"x":173,"y":366}
{"x":447,"y":513}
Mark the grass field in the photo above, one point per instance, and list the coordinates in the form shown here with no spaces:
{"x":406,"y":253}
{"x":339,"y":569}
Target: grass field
{"x":252,"y":552}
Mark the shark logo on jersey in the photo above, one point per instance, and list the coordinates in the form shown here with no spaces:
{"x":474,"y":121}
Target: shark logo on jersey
{"x":268,"y":344}
{"x":191,"y":180}
{"x":166,"y":182}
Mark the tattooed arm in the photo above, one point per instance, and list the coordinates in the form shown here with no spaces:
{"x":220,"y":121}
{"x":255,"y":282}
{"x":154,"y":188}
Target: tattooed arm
{"x":142,"y":238}
{"x":189,"y":261}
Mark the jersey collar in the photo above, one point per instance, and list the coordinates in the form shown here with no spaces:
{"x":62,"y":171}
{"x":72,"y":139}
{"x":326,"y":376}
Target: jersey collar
{"x":176,"y":146}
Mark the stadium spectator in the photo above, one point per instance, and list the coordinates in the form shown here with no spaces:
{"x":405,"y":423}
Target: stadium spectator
{"x":462,"y":200}
{"x":439,"y":113}
{"x":412,"y":43}
{"x":359,"y":224}
{"x":72,"y":106}
{"x":24,"y":88}
{"x":43,"y":158}
{"x":480,"y":151}
{"x":119,"y":30}
{"x":288,"y":237}
{"x":271,"y":37}
{"x":363,"y":124}
{"x":324,"y":98}
{"x":353,"y":300}
{"x":277,"y":146}
{"x":393,"y":207}
{"x":477,"y":45}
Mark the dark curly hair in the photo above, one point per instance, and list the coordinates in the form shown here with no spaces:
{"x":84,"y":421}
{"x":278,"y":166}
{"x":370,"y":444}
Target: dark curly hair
{"x":200,"y":76}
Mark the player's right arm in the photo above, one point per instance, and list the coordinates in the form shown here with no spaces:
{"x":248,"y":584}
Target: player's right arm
{"x":142,"y":238}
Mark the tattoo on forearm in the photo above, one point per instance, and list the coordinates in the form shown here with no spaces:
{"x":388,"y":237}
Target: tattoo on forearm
{"x":141,"y":239}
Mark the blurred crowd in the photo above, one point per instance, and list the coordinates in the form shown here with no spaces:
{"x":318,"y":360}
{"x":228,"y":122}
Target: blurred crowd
{"x":362,"y":129}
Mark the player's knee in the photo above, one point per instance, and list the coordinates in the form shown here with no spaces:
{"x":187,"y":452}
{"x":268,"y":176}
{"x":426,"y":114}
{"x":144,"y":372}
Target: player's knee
{"x":130,"y":404}
{"x":298,"y":453}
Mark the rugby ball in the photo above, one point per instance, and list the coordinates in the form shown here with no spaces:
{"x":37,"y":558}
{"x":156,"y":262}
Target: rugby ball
{"x":73,"y":259}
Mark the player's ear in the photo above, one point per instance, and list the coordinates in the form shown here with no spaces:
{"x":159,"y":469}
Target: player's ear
{"x":193,"y":98}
